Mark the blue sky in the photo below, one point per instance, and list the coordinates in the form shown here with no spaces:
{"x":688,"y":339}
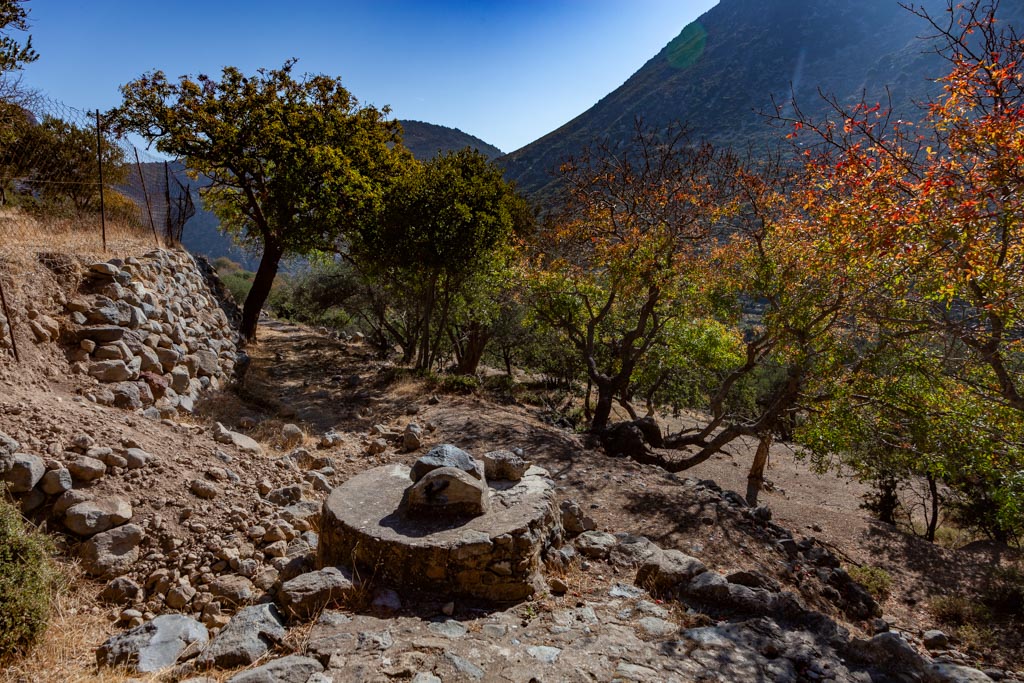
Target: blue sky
{"x":507,"y":72}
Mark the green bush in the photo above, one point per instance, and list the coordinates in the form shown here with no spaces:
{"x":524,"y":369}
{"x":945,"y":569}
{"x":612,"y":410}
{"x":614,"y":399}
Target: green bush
{"x":238,"y":283}
{"x":954,"y":610}
{"x":875,"y":580}
{"x":27,"y":581}
{"x":458,"y":384}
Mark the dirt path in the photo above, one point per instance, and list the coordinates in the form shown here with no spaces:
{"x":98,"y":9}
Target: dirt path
{"x":327,"y":384}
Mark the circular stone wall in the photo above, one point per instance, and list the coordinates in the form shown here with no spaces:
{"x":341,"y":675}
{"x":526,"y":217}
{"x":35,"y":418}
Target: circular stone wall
{"x":496,"y":556}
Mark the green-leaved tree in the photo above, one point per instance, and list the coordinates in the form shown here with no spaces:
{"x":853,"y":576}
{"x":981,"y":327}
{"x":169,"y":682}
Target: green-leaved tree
{"x":293,"y":162}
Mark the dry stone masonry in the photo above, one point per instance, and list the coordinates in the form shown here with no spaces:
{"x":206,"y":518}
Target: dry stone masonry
{"x":151,"y":332}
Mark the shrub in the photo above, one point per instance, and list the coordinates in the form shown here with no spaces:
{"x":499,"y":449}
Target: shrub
{"x":27,"y":582}
{"x":875,"y":580}
{"x":954,"y":610}
{"x":238,"y":283}
{"x":458,"y":384}
{"x":1005,"y":591}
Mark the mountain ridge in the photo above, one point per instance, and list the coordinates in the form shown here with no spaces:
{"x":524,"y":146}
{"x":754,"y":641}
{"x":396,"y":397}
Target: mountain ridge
{"x":729,"y":64}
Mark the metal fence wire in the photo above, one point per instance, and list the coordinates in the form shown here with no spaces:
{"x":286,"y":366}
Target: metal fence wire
{"x":60,"y":161}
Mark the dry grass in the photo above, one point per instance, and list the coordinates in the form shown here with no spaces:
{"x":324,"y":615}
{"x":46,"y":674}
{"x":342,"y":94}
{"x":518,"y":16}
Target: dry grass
{"x":22,"y":235}
{"x":66,"y":652}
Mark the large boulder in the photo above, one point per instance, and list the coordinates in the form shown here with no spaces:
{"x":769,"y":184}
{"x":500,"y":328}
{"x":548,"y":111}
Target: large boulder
{"x":113,"y":552}
{"x":248,"y":636}
{"x":96,"y":516}
{"x":448,"y":492}
{"x":233,"y":589}
{"x":21,"y":471}
{"x":667,"y":571}
{"x":110,"y":371}
{"x":307,"y":594}
{"x":154,"y":645}
{"x":595,"y":544}
{"x":290,"y":669}
{"x":7,"y":444}
{"x":446,"y":455}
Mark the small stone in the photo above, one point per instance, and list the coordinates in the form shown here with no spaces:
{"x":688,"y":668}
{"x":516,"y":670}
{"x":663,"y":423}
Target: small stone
{"x":412,"y":437}
{"x":233,"y":589}
{"x":667,"y":571}
{"x":449,"y":628}
{"x":292,"y":435}
{"x":110,"y":371}
{"x":286,"y":495}
{"x":558,"y":585}
{"x":84,"y":468}
{"x":121,"y":591}
{"x":595,"y":544}
{"x":543,"y":653}
{"x":309,"y":593}
{"x":504,"y":465}
{"x":574,"y":520}
{"x":204,"y":489}
{"x":935,"y":640}
{"x":386,"y":600}
{"x":136,"y":458}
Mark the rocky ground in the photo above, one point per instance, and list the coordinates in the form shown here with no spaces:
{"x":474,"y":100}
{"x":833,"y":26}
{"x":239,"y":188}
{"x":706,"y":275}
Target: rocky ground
{"x":201,"y":529}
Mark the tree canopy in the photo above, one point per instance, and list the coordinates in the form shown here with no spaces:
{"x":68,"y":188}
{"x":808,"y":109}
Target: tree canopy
{"x":292,"y":162}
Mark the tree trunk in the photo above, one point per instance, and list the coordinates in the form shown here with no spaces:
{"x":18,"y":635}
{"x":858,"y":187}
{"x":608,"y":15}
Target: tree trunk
{"x":477,"y":336}
{"x":756,"y":476}
{"x":933,"y":521}
{"x":603,"y":410}
{"x":587,"y":411}
{"x":260,"y":290}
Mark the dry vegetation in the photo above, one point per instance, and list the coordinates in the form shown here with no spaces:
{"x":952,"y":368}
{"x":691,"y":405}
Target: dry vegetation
{"x":24,"y":234}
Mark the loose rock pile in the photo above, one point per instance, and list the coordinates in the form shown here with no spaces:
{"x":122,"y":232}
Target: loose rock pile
{"x":149,"y":331}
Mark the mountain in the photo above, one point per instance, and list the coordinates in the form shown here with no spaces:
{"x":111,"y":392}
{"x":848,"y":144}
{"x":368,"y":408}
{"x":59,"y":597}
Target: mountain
{"x":426,"y":140}
{"x":202,"y":234}
{"x":726,"y":67}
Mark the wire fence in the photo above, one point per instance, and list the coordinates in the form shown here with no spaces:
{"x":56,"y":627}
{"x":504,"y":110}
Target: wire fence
{"x":63,"y":172}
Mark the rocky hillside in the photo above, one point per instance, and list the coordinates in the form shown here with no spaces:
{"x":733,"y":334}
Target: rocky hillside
{"x":724,"y":69}
{"x":197,"y":534}
{"x":426,"y":140}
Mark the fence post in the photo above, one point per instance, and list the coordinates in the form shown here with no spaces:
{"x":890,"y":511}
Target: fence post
{"x":10,"y":322}
{"x":145,"y":194}
{"x":99,"y":163}
{"x":167,"y":200}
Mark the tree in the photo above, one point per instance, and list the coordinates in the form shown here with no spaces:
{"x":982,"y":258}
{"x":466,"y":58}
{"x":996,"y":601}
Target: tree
{"x":615,"y":267}
{"x":292,"y":163}
{"x":13,"y":54}
{"x":929,"y":214}
{"x":56,"y":160}
{"x":442,"y":223}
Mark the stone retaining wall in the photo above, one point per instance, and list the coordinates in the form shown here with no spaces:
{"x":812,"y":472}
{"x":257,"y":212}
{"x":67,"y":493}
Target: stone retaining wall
{"x":150,"y":331}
